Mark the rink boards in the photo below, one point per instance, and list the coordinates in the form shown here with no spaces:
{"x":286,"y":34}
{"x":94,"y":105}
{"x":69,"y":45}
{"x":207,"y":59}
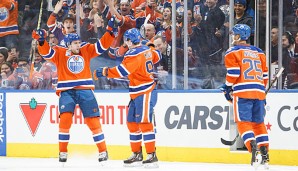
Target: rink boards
{"x":189,"y":126}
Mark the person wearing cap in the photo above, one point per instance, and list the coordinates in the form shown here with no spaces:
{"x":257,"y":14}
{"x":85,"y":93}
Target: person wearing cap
{"x":60,"y":29}
{"x":86,"y":10}
{"x":241,"y":17}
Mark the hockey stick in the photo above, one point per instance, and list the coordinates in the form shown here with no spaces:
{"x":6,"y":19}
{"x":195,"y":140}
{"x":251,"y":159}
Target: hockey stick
{"x":142,"y":29}
{"x":230,"y":143}
{"x":34,"y":49}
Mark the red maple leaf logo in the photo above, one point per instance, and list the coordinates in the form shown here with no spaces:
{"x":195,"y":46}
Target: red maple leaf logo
{"x":33,"y":114}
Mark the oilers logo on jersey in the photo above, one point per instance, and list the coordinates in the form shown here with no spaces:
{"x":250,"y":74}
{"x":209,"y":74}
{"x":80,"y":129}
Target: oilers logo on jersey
{"x":75,"y":63}
{"x":3,"y":14}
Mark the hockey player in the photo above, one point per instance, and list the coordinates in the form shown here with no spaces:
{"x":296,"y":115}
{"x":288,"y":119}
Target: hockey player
{"x":138,"y":65}
{"x":247,"y":76}
{"x":75,"y":84}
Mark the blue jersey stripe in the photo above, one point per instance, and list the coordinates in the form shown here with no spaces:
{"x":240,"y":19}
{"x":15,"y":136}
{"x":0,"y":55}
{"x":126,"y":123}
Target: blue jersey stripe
{"x":144,"y":87}
{"x":234,"y":71}
{"x":50,"y":55}
{"x":99,"y":48}
{"x":249,"y":86}
{"x":122,"y":70}
{"x":7,"y":29}
{"x":74,"y":84}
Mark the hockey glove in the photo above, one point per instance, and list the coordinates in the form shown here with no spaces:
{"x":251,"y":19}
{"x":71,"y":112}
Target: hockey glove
{"x":100,"y":72}
{"x":228,"y":92}
{"x":112,"y":26}
{"x":39,"y":35}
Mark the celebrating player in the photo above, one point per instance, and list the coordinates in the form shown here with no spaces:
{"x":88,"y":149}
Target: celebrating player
{"x":247,"y":76}
{"x":75,"y":84}
{"x":138,"y":66}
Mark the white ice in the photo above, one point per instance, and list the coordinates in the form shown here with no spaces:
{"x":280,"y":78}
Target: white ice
{"x":78,"y":163}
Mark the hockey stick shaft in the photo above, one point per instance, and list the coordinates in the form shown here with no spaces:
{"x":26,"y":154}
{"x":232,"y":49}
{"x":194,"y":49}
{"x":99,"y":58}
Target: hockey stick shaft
{"x":230,"y":143}
{"x":34,"y":48}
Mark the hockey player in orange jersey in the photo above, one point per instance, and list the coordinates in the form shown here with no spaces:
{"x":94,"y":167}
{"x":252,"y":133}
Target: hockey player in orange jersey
{"x":247,"y":76}
{"x":75,"y":84}
{"x":137,"y":65}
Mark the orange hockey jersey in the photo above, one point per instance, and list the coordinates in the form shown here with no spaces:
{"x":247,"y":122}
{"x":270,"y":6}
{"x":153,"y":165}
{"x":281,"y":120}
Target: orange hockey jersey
{"x":74,"y":70}
{"x":8,"y":17}
{"x":137,"y":65}
{"x":154,"y":15}
{"x":246,"y":71}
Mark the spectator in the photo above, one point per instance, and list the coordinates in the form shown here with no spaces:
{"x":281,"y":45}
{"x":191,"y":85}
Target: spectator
{"x":60,"y":29}
{"x":241,"y":17}
{"x":38,"y":61}
{"x":151,"y":9}
{"x":52,"y":39}
{"x":20,"y":75}
{"x":6,"y":71}
{"x":166,"y":62}
{"x":28,"y":19}
{"x":149,"y":32}
{"x":262,"y":23}
{"x":9,"y":23}
{"x":138,"y":5}
{"x":125,"y":19}
{"x":88,"y":28}
{"x":3,"y":55}
{"x":213,"y":20}
{"x":86,"y":10}
{"x":274,"y":45}
{"x":288,"y":42}
{"x":163,"y":27}
{"x":13,"y":55}
{"x":48,"y":71}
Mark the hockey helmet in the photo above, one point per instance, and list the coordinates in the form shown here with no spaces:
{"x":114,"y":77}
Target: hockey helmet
{"x":70,"y":38}
{"x":132,"y":34}
{"x":243,"y":30}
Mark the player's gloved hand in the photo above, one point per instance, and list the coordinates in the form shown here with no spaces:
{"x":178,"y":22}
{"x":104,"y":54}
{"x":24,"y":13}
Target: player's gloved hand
{"x":112,"y":26}
{"x":100,"y":72}
{"x":228,"y":92}
{"x":39,"y":35}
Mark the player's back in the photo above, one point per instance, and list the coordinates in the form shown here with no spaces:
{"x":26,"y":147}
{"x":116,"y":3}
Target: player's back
{"x":140,"y":61}
{"x":248,"y":65}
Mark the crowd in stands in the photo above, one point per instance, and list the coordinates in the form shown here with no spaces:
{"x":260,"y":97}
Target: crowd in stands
{"x":22,"y":67}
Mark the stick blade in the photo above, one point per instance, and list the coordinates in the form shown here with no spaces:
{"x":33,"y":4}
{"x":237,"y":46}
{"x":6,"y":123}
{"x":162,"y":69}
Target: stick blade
{"x":226,"y":142}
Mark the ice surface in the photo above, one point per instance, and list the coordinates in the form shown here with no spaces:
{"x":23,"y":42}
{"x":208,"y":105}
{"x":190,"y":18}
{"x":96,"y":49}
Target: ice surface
{"x":76,"y":163}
